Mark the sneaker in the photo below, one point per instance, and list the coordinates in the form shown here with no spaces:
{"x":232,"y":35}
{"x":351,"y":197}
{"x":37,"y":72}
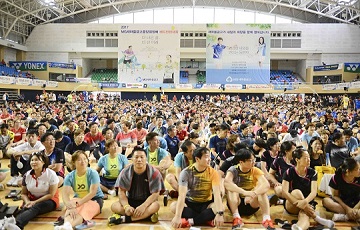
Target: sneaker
{"x":185,"y":223}
{"x":237,"y":223}
{"x":2,"y":187}
{"x":112,"y":192}
{"x":154,"y":217}
{"x":60,"y":208}
{"x":174,"y":194}
{"x":268,"y":224}
{"x":295,"y":227}
{"x":86,"y":224}
{"x":273,"y":200}
{"x":17,"y":181}
{"x":338,"y":217}
{"x":114,"y":219}
{"x":11,"y":181}
{"x":59,"y":221}
{"x":10,"y":220}
{"x":9,"y":226}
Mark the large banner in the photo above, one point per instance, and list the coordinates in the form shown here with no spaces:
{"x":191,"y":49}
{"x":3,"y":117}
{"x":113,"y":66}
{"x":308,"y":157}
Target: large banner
{"x":149,"y":54}
{"x":238,"y":54}
{"x":326,"y":67}
{"x":29,"y":65}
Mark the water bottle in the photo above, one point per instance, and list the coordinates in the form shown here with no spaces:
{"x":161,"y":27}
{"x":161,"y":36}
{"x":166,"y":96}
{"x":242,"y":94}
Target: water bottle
{"x":328,"y":159}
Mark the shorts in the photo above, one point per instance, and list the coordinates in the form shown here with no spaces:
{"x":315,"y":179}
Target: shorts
{"x":127,"y":61}
{"x":246,"y":209}
{"x":198,"y":207}
{"x":89,"y":209}
{"x":135,"y":203}
{"x":108,"y":183}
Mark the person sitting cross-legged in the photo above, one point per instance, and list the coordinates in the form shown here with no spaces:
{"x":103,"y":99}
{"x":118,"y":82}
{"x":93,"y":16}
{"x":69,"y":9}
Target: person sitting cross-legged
{"x":299,"y":190}
{"x":139,"y":189}
{"x":345,"y":189}
{"x":247,"y":187}
{"x":182,"y":160}
{"x":199,"y":199}
{"x":111,"y":164}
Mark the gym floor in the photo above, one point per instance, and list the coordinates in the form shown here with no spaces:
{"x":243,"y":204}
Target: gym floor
{"x":45,"y":222}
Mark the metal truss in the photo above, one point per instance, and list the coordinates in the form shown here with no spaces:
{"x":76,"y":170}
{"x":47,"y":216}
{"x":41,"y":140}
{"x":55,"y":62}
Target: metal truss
{"x":21,"y":16}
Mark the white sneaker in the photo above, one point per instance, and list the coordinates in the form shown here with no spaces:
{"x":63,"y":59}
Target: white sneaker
{"x":338,"y":217}
{"x":112,"y":192}
{"x":17,"y":181}
{"x":11,"y":181}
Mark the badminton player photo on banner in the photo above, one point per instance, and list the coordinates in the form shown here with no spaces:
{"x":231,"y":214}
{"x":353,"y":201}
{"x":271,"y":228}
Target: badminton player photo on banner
{"x":238,"y":54}
{"x":149,"y":54}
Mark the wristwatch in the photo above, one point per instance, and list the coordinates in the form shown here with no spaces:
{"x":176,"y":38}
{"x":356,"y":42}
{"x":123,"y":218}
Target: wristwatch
{"x":221,"y":213}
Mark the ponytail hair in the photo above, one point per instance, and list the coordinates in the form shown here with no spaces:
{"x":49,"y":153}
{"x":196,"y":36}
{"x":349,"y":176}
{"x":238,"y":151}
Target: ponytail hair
{"x":297,"y":154}
{"x":348,"y":164}
{"x":286,"y":146}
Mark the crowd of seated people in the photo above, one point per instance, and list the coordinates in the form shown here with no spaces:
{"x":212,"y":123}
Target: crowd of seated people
{"x":218,"y":145}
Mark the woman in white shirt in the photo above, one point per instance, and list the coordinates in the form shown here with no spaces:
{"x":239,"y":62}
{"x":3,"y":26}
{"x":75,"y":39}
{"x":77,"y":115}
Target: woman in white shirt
{"x":39,"y":190}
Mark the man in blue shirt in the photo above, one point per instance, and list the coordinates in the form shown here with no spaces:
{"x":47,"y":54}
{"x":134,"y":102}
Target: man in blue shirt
{"x":217,"y":52}
{"x":217,"y":144}
{"x":172,"y":141}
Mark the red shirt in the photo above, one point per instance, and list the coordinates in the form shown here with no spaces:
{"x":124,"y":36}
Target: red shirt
{"x":181,"y":134}
{"x":88,"y":138}
{"x":18,"y":133}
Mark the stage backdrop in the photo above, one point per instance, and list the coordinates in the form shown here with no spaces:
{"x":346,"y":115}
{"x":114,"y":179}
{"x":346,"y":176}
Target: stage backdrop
{"x":149,"y":54}
{"x":238,"y":54}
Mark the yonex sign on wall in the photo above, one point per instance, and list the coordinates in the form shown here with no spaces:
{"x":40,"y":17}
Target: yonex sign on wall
{"x":352,"y":67}
{"x":29,"y":65}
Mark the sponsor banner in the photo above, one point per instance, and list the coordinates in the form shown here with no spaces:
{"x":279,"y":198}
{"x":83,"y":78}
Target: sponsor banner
{"x":329,"y":86}
{"x":86,"y":80}
{"x":7,"y":80}
{"x":52,"y":84}
{"x":233,"y":86}
{"x":62,"y":65}
{"x":183,"y":86}
{"x":29,"y":65}
{"x":163,"y":86}
{"x":149,"y":54}
{"x":283,"y":86}
{"x":24,"y":81}
{"x":38,"y":82}
{"x":134,"y":85}
{"x":355,"y":84}
{"x":259,"y":86}
{"x":109,"y":85}
{"x":70,"y":79}
{"x":352,"y":67}
{"x":211,"y":86}
{"x":198,"y":86}
{"x":342,"y":85}
{"x":326,"y":67}
{"x":238,"y":54}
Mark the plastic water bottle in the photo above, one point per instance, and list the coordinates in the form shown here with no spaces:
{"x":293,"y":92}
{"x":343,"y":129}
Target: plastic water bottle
{"x":328,"y":159}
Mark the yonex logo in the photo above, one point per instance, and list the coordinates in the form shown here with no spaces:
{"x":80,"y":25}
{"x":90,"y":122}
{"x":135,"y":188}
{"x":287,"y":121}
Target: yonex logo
{"x":81,"y":186}
{"x":17,"y":65}
{"x":352,"y":67}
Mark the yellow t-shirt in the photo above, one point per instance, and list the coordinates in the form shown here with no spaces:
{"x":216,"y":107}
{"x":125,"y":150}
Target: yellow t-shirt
{"x":81,"y":185}
{"x":153,"y":158}
{"x":113,"y":168}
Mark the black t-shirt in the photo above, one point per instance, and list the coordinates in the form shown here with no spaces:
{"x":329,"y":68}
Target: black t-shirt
{"x":280,"y":166}
{"x":317,"y":162}
{"x":227,"y":164}
{"x":72,"y":147}
{"x":268,"y":159}
{"x":226,"y":154}
{"x":298,"y":182}
{"x":139,"y":187}
{"x":337,"y":154}
{"x":348,"y":192}
{"x":57,"y":156}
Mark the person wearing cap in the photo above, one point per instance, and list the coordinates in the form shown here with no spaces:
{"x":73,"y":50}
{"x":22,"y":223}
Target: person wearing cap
{"x":217,"y":143}
{"x":245,"y":135}
{"x":19,"y":161}
{"x":234,"y":127}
